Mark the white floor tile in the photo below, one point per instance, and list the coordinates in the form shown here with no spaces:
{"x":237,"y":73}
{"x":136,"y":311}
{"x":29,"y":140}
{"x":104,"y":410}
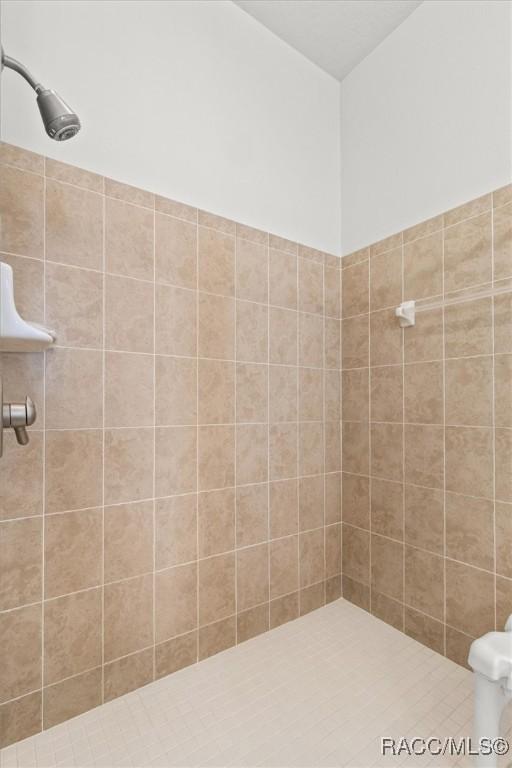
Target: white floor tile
{"x":320,"y":691}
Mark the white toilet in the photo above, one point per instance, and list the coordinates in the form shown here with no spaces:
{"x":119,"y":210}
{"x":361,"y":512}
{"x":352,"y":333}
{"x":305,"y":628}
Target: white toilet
{"x":490,"y":657}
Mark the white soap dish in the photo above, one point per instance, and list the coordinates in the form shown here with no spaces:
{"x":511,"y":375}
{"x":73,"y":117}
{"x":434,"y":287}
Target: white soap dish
{"x":16,"y":334}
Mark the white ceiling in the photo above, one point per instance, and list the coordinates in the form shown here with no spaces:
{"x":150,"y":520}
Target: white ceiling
{"x":335,"y":34}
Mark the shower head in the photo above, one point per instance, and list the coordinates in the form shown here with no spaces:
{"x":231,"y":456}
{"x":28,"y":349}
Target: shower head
{"x":59,"y":120}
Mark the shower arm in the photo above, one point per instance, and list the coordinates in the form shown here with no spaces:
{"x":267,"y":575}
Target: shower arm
{"x":17,"y":66}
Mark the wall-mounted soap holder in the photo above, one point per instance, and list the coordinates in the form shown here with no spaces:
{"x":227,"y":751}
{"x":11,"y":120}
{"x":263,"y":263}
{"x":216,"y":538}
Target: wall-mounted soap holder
{"x":16,"y":334}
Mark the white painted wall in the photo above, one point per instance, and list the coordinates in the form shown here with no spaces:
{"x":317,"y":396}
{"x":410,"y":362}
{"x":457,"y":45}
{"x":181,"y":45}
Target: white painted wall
{"x":193,"y":100}
{"x":426,"y":118}
{"x":230,"y":118}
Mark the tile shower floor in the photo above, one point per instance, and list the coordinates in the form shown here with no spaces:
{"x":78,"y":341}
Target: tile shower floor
{"x":319,"y":691}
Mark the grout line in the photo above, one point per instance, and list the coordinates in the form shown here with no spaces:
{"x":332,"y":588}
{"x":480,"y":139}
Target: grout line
{"x":195,"y":357}
{"x":369,"y":434}
{"x":163,"y":498}
{"x":272,"y":364}
{"x":140,"y":427}
{"x":420,"y":362}
{"x":247,"y":485}
{"x":402,"y":349}
{"x":443,"y":332}
{"x":324,"y":437}
{"x":493,"y":396}
{"x":269,"y":572}
{"x":166,"y":284}
{"x":340,"y":374}
{"x":104,"y":358}
{"x":427,"y":551}
{"x":43,"y":521}
{"x":235,"y":309}
{"x":154,"y":445}
{"x":297,"y":375}
{"x":197,"y":435}
{"x":191,"y":426}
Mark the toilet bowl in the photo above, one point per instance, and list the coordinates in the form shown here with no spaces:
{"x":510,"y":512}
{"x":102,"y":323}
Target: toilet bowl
{"x":490,"y":657}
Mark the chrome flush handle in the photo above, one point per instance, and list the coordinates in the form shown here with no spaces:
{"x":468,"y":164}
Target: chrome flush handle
{"x":17,"y":416}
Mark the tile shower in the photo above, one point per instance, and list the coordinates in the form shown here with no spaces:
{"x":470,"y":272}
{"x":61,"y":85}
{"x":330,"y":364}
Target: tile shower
{"x":182,"y":490}
{"x":427,"y":418}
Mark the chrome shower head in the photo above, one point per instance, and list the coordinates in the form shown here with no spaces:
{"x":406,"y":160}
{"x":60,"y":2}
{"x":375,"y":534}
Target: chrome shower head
{"x":59,"y":120}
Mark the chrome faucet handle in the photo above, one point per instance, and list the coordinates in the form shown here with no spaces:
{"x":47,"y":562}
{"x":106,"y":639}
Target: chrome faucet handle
{"x":17,"y":416}
{"x":22,"y":415}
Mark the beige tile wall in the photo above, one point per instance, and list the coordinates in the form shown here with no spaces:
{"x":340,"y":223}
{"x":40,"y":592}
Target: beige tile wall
{"x":427,"y":428}
{"x":181,"y":489}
